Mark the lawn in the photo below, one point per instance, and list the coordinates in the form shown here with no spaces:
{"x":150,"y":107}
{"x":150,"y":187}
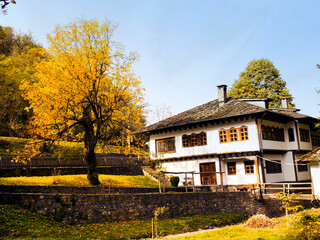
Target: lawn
{"x":81,"y":181}
{"x":18,"y":223}
{"x":26,"y":224}
{"x":304,"y":225}
{"x":14,"y":146}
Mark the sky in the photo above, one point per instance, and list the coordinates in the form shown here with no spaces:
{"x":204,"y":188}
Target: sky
{"x":188,"y":47}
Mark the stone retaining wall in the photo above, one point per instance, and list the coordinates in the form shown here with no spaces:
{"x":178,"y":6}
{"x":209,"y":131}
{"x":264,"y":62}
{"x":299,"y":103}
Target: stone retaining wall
{"x":48,"y":171}
{"x":116,"y":207}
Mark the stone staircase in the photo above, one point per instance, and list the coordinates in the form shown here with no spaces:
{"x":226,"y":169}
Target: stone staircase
{"x":149,"y":172}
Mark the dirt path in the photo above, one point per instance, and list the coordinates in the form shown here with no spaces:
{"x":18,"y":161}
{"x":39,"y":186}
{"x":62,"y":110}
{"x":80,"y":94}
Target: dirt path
{"x":191,"y":233}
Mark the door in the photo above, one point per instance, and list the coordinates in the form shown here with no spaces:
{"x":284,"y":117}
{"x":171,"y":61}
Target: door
{"x":208,"y":173}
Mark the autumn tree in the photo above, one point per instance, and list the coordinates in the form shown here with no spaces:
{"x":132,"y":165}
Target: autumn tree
{"x":261,"y":80}
{"x":18,"y":53}
{"x":86,"y":89}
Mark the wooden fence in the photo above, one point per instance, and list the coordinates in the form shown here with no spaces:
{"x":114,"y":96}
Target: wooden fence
{"x":104,"y":160}
{"x":304,"y":189}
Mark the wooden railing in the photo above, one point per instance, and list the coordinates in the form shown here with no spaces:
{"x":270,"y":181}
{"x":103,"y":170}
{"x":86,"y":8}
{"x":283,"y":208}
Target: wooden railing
{"x":305,"y":189}
{"x":106,"y":160}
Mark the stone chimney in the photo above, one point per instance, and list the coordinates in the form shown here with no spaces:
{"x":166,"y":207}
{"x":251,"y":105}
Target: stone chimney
{"x":222,"y":94}
{"x":285,"y":103}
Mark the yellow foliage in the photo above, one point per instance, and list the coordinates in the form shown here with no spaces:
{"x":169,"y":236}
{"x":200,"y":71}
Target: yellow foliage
{"x":85,"y":84}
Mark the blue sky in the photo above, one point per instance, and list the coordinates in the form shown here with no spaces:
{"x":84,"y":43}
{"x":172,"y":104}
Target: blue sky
{"x":188,"y":47}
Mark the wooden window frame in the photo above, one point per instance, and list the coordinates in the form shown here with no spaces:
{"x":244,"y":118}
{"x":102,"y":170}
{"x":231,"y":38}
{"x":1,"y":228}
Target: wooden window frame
{"x":291,"y":135}
{"x":166,"y":140}
{"x":315,"y":140}
{"x":249,"y":167}
{"x":271,"y":133}
{"x":232,"y":168}
{"x":304,"y":135}
{"x":194,"y":139}
{"x":273,"y":167}
{"x":303,"y":167}
{"x":234,"y":134}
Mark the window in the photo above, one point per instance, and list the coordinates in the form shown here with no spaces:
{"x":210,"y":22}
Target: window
{"x":249,"y":167}
{"x":273,"y":166}
{"x":166,"y":145}
{"x":223,"y":136}
{"x":291,"y":135}
{"x":185,"y":141}
{"x":302,"y":167}
{"x":244,"y":133}
{"x":272,"y":133}
{"x":304,"y":135}
{"x":232,"y":170}
{"x":193,"y":140}
{"x":315,"y":139}
{"x":202,"y":139}
{"x":233,"y":134}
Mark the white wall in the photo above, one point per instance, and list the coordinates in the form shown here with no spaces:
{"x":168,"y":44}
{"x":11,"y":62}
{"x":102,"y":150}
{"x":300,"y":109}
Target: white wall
{"x":315,"y":173}
{"x":189,"y":166}
{"x":287,"y":165}
{"x":240,"y":177}
{"x":305,"y":145}
{"x":213,"y":142}
{"x":303,"y":176}
{"x":281,"y":145}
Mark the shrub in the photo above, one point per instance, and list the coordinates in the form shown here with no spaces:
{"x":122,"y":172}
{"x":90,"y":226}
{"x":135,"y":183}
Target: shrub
{"x":308,"y":225}
{"x":174,"y":181}
{"x":259,"y":221}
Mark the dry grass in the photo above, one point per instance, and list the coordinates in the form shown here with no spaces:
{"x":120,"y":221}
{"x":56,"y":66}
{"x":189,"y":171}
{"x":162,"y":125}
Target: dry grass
{"x":259,"y":221}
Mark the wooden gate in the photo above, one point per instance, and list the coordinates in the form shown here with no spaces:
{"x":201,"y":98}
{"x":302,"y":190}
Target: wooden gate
{"x":208,"y":173}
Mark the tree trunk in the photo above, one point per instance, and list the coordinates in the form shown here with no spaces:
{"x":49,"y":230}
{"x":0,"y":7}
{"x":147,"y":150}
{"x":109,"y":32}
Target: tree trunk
{"x":90,"y":157}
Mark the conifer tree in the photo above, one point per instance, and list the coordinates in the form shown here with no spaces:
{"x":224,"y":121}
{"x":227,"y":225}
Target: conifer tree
{"x":261,"y":79}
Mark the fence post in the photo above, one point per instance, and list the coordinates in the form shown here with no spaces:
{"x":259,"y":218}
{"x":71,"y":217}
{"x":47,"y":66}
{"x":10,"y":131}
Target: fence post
{"x":186,"y":181}
{"x":193,"y":181}
{"x":159,"y":180}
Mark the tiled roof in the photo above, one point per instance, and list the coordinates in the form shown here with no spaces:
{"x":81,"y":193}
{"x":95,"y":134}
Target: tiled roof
{"x":207,"y":112}
{"x":289,"y":113}
{"x":313,"y":156}
{"x":211,"y":111}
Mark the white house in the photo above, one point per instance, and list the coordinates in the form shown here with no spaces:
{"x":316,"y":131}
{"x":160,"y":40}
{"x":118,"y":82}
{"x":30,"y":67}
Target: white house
{"x":313,"y":158}
{"x":232,"y":141}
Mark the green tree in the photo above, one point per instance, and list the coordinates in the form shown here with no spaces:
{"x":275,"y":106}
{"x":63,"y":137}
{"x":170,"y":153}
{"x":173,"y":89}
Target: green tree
{"x":85,"y":89}
{"x":261,"y":80}
{"x":18,"y":53}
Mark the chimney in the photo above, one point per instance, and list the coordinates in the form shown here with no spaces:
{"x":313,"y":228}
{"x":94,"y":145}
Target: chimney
{"x":285,"y":103}
{"x":222,"y":94}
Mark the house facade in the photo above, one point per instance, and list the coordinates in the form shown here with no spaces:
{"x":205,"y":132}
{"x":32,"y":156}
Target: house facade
{"x":313,"y":158}
{"x":234,"y":142}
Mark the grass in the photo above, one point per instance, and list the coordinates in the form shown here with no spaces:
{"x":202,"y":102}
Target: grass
{"x":81,"y":181}
{"x":26,"y":224}
{"x":14,"y":146}
{"x":297,"y":230}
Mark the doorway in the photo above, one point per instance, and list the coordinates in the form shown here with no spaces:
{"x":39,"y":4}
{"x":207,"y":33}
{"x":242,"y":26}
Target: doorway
{"x":208,"y":174}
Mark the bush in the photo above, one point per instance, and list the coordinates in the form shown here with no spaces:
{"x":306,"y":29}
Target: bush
{"x":259,"y":221}
{"x":174,"y":181}
{"x":308,"y":225}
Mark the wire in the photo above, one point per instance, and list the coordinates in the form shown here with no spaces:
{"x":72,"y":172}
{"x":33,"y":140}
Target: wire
{"x":277,"y":161}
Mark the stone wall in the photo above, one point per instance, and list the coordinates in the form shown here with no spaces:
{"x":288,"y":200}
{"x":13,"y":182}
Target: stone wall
{"x":116,"y":207}
{"x":48,"y":171}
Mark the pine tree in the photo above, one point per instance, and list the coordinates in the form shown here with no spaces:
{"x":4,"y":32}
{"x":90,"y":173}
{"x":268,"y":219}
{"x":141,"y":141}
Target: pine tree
{"x":261,"y":79}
